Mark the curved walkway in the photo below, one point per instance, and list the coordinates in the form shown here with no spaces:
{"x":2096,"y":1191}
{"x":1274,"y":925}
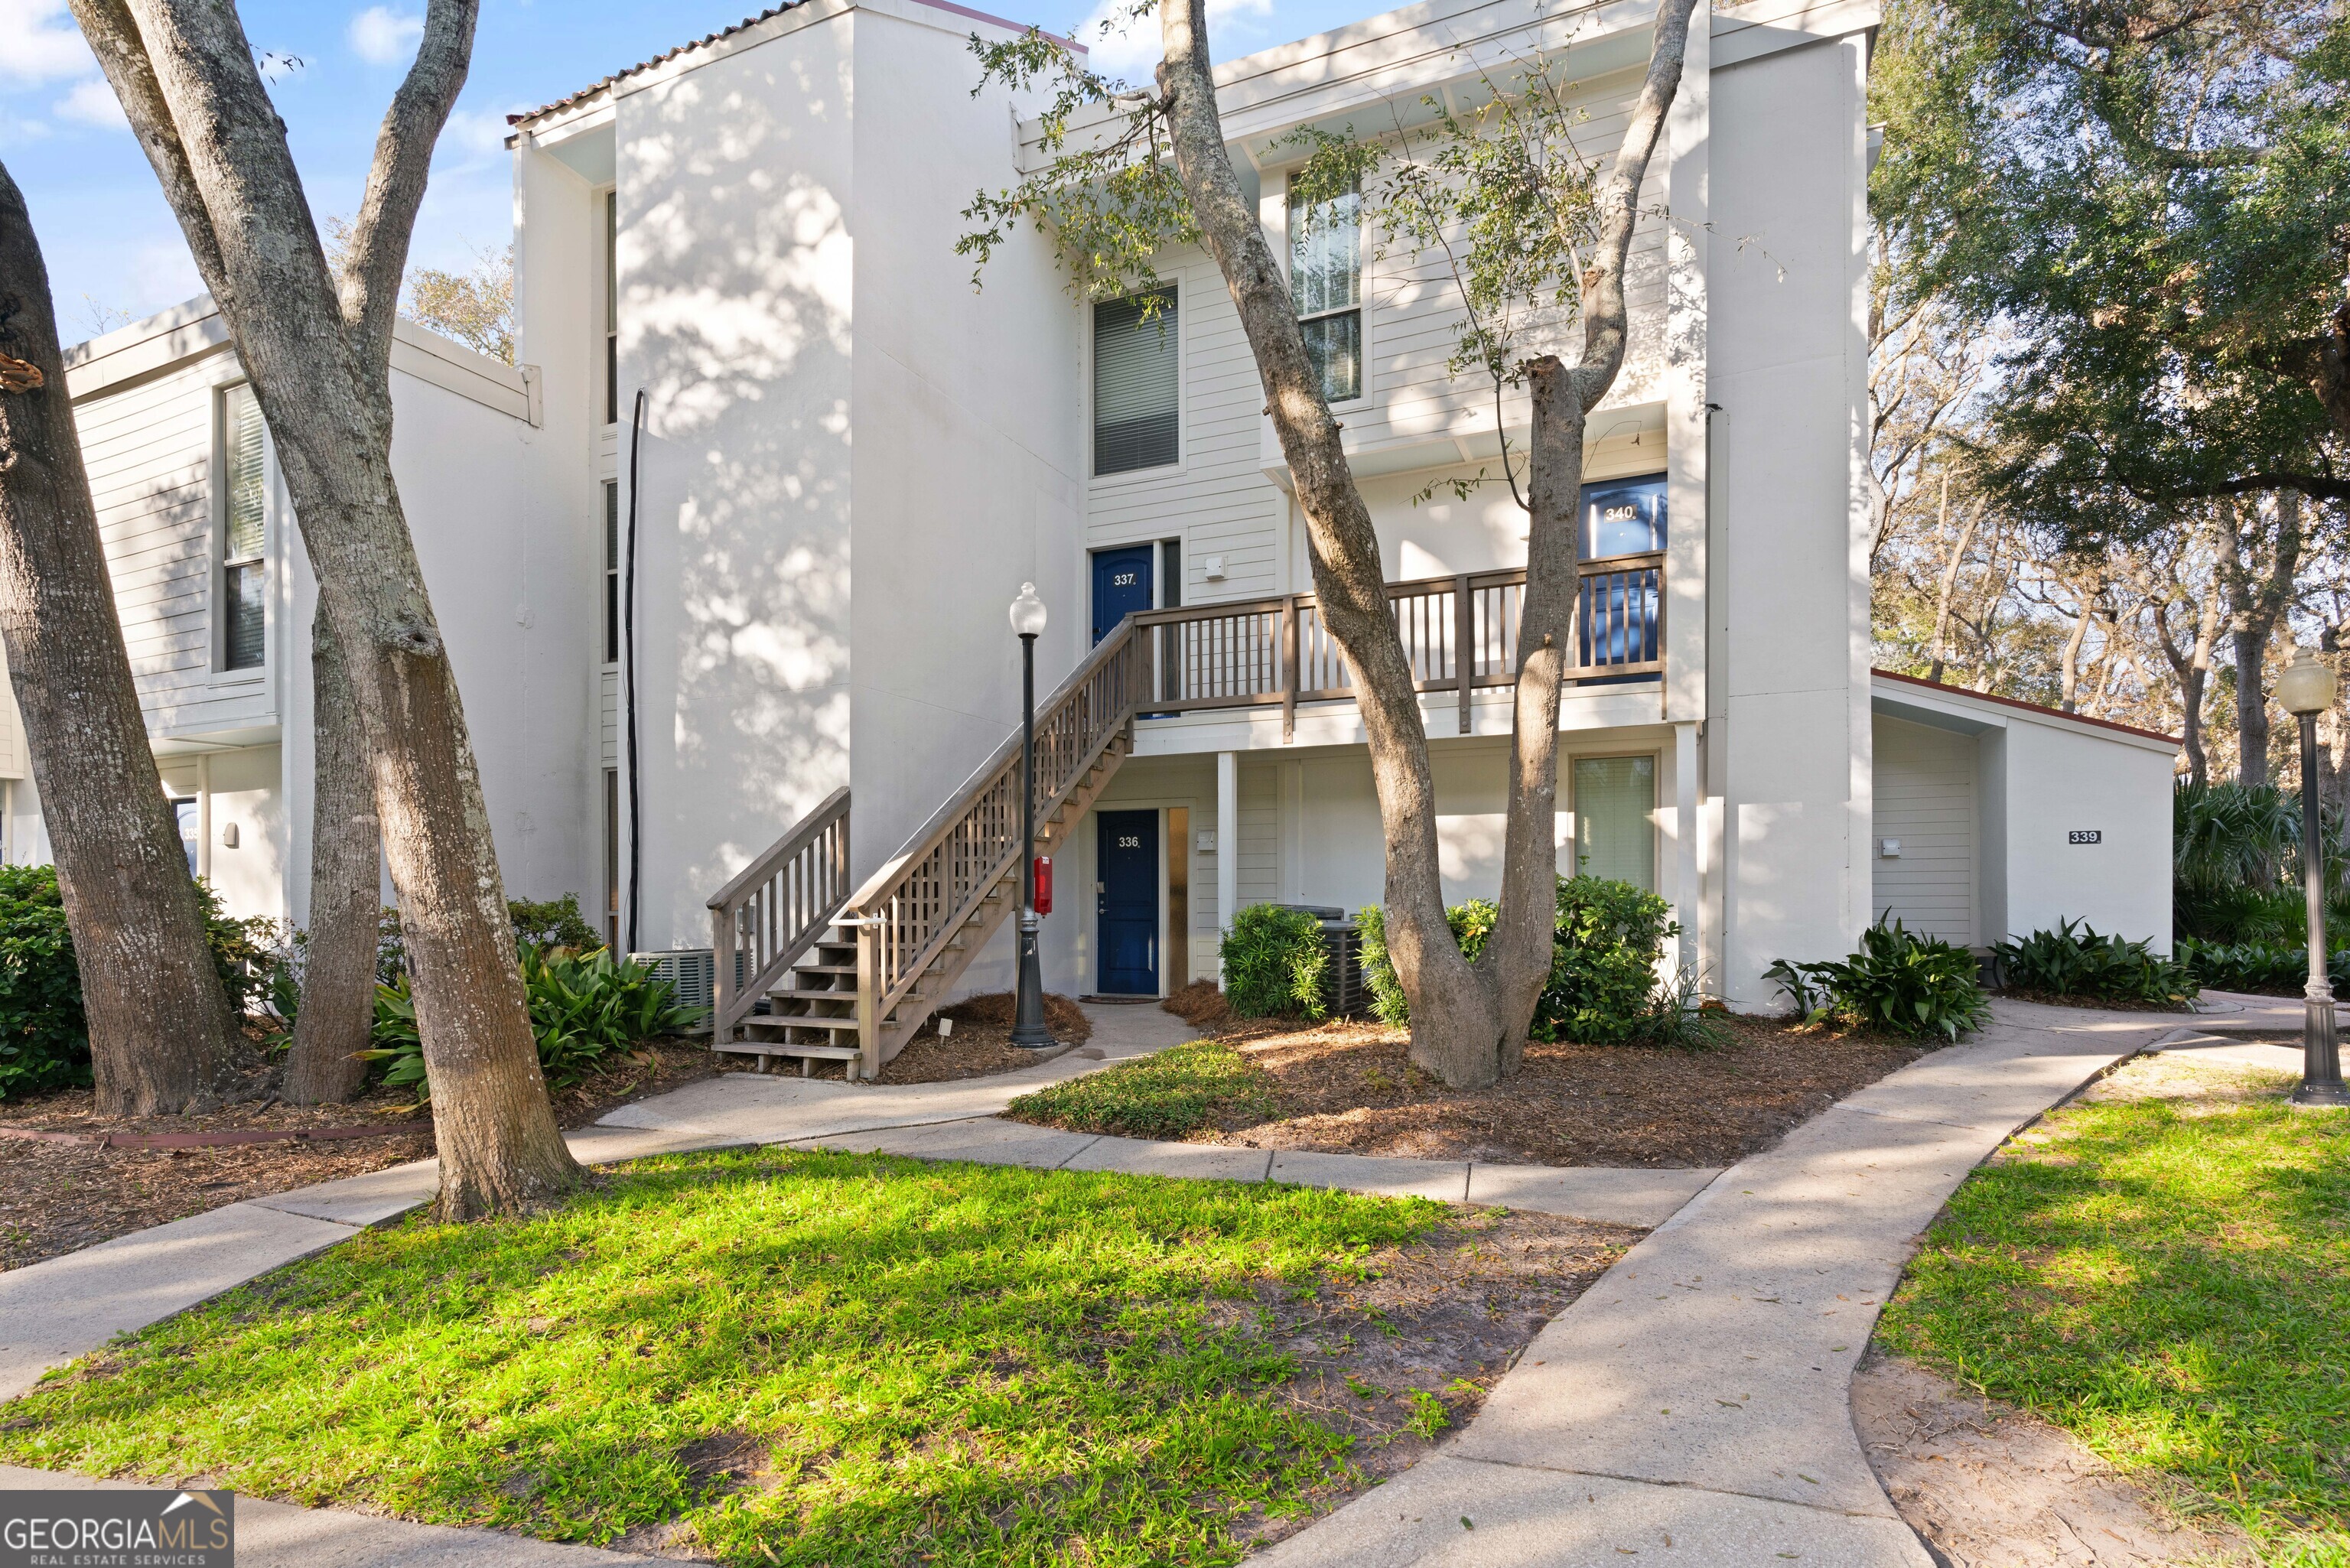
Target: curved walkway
{"x":1696,"y":1401}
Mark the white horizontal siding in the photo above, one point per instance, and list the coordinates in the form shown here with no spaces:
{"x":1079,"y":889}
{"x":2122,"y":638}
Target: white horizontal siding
{"x":1925,"y":792}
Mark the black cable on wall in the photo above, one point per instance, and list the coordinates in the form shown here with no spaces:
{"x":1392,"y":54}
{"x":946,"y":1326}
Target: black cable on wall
{"x":628,"y":663}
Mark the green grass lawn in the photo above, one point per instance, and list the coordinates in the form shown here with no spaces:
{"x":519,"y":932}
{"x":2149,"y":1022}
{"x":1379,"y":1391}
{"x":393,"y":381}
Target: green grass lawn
{"x":1177,"y":1091}
{"x":2169,"y":1278}
{"x":805,"y":1358}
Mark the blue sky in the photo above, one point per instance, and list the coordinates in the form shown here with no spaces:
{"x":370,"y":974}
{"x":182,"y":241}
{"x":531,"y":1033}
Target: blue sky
{"x":115,"y":253}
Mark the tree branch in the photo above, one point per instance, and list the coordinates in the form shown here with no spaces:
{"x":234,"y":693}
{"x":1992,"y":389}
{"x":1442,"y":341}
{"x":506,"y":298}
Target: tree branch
{"x":378,"y":259}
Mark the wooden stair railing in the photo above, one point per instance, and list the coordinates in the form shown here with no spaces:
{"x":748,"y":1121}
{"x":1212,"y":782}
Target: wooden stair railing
{"x":773,"y":912}
{"x":924,"y":914}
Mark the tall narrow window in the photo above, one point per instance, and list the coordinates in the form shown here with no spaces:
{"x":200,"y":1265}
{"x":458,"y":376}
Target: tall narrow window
{"x":1325,"y":278}
{"x":244,"y":575}
{"x":611,"y":308}
{"x":1137,"y":385}
{"x":612,"y":571}
{"x":1616,"y":819}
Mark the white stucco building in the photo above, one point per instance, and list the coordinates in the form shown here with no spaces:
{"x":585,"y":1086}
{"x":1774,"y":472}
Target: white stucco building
{"x":774,"y":464}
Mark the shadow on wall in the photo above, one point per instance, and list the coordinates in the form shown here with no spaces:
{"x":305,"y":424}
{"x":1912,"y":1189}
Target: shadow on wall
{"x":734,"y":260}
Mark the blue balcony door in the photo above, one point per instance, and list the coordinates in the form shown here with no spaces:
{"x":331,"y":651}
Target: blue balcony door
{"x":1121,"y":586}
{"x":1127,"y":867}
{"x":1618,"y":623}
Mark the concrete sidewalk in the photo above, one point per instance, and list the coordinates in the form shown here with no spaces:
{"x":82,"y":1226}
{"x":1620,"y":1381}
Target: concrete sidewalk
{"x":1699,"y":1393}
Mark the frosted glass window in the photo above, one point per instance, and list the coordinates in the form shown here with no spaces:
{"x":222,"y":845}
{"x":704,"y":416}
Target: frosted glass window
{"x":243,"y":532}
{"x":1138,"y":374}
{"x":1326,"y":279}
{"x":1614,"y":801}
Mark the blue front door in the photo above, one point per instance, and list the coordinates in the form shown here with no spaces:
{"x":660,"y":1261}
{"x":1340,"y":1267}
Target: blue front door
{"x":1128,"y":904}
{"x":1121,"y":586}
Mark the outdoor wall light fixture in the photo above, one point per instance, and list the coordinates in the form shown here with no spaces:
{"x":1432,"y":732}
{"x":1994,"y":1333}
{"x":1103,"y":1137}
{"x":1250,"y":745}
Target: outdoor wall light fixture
{"x":2306,"y":689}
{"x":1028,"y":1012}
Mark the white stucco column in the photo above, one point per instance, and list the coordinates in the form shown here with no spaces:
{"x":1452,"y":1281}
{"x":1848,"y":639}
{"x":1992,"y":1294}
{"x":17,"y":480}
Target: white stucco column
{"x":1228,"y":841}
{"x":1688,"y":897}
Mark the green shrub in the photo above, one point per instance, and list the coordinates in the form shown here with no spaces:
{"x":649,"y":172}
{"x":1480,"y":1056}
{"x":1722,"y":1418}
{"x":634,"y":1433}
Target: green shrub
{"x":1603,"y":964}
{"x":1174,"y":1092}
{"x":1471,"y":923}
{"x":1603,"y":988}
{"x":1897,"y":980}
{"x":2273,"y":968}
{"x":582,"y":1005}
{"x":43,"y":1041}
{"x":43,"y":1033}
{"x":543,"y":923}
{"x":552,"y":923}
{"x":2075,"y":960}
{"x":1276,"y":963}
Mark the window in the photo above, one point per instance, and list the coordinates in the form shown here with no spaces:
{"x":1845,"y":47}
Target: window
{"x":612,"y":571}
{"x":611,"y":308}
{"x":1325,"y":278}
{"x":1138,"y":381}
{"x":244,"y":575}
{"x":1614,"y":819}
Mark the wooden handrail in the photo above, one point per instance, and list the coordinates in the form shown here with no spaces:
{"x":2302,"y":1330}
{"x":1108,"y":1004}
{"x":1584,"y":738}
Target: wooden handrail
{"x":925,"y":895}
{"x":774,"y":910}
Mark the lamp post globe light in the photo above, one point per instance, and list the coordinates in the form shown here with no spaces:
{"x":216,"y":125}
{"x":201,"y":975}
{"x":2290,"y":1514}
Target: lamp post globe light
{"x":2306,"y":689}
{"x":1028,"y":1014}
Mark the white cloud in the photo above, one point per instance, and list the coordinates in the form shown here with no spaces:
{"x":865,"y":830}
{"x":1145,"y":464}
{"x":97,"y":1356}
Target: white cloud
{"x":1132,"y":51}
{"x":93,"y":103}
{"x":382,"y":36}
{"x":38,"y":42}
{"x":477,"y":133}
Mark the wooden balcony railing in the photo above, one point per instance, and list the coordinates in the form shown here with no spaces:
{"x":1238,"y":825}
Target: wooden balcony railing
{"x":1459,"y":633}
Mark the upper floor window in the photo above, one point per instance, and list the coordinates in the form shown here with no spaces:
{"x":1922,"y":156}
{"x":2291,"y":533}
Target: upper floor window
{"x":244,"y":572}
{"x":611,"y":308}
{"x":1325,"y":278}
{"x":1137,"y":385}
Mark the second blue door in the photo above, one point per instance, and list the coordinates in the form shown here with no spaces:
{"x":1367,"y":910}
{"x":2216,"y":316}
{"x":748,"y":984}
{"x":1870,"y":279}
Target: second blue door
{"x":1129,"y":902}
{"x":1121,"y":586}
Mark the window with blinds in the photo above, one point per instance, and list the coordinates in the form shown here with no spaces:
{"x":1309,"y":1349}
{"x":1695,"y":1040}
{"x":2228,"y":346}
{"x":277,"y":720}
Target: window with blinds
{"x":1137,"y":385}
{"x":244,"y":574}
{"x":1325,"y":280}
{"x":1616,"y":819}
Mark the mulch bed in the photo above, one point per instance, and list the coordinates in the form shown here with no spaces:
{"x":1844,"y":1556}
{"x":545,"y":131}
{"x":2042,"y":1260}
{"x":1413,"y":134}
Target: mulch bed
{"x":1437,"y":1321}
{"x":2050,"y":999}
{"x":1348,"y":1087}
{"x":58,"y":1198}
{"x":980,"y":1044}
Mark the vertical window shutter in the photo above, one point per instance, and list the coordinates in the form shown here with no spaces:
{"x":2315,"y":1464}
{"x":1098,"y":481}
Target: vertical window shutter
{"x":1138,"y":420}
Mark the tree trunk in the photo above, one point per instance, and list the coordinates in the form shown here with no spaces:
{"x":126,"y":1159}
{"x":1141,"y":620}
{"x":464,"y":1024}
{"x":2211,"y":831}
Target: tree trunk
{"x":160,"y":1032}
{"x":318,"y":360}
{"x":1937,"y":651}
{"x":1467,"y":1025}
{"x":2255,"y":601}
{"x":337,"y":1013}
{"x":1454,"y":1023}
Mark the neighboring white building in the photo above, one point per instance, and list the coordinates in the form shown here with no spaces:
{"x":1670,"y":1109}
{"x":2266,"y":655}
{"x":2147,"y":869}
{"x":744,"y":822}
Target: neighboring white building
{"x":215,"y":595}
{"x":849,"y":461}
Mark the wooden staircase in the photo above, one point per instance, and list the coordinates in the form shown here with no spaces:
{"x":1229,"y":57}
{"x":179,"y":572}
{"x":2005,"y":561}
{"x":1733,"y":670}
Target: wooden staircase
{"x":812,"y":1014}
{"x":806,"y":972}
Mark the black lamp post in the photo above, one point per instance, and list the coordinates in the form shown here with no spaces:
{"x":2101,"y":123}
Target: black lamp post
{"x":2306,"y":689}
{"x":1028,"y":1015}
